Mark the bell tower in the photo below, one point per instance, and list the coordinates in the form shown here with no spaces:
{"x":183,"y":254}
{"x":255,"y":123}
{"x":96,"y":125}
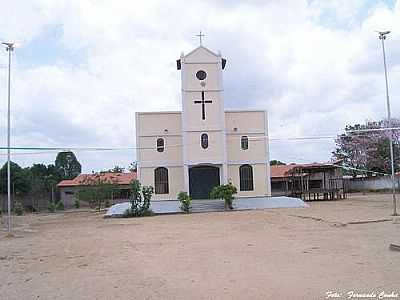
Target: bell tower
{"x":203,"y":116}
{"x":202,"y":88}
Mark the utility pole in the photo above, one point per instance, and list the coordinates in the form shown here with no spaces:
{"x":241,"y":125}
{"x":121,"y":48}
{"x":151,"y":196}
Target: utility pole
{"x":9,"y":49}
{"x":382,"y":37}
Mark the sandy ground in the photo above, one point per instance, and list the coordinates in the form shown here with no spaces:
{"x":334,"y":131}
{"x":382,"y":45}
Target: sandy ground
{"x":266,"y":254}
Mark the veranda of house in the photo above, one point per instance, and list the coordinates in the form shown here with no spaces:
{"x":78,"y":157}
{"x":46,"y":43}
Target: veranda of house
{"x":308,"y":181}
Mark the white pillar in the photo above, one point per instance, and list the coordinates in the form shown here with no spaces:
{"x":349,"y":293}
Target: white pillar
{"x":268,"y":168}
{"x":186,"y":178}
{"x":224,"y":173}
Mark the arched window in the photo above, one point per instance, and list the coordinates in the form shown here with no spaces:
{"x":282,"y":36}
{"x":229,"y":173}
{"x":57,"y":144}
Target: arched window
{"x":161,"y":180}
{"x":204,"y":140}
{"x":246,"y":178}
{"x":160,"y":145}
{"x":244,"y":142}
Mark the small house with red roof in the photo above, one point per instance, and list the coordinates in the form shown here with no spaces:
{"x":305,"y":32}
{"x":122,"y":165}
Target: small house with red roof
{"x":122,"y":181}
{"x":314,"y":181}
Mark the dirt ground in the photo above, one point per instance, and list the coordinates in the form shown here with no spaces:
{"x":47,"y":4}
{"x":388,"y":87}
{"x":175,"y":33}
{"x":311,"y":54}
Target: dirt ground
{"x":267,"y":254}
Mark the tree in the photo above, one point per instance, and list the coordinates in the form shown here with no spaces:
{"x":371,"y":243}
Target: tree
{"x":67,"y":166}
{"x":37,"y":176}
{"x":20,"y":184}
{"x":39,"y":181}
{"x":276,"y":163}
{"x":39,"y":170}
{"x":96,"y":190}
{"x":43,"y":179}
{"x":133,"y":167}
{"x":361,"y":149}
{"x":116,"y":169}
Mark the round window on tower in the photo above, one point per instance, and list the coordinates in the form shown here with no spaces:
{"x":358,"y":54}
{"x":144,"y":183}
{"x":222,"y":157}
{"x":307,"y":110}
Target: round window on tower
{"x":201,"y":75}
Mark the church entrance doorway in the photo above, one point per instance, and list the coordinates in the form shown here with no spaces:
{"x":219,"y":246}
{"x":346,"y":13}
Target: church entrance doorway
{"x":202,"y":179}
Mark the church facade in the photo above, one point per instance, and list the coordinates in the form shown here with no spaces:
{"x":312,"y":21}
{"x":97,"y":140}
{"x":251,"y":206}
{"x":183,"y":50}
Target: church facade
{"x":203,"y":145}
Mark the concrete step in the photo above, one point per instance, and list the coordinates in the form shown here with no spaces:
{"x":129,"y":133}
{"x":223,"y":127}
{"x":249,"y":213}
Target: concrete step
{"x":208,"y":205}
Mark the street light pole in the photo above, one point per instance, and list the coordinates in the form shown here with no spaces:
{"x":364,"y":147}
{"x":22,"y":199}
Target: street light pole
{"x":9,"y":49}
{"x":382,"y":37}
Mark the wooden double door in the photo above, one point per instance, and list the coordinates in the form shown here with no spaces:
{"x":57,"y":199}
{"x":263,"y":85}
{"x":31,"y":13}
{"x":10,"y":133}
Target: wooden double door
{"x":202,"y":179}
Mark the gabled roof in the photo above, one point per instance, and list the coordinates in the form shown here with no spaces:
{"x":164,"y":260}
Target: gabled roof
{"x":116,"y":178}
{"x":313,"y":166}
{"x":201,"y":48}
{"x":211,"y":56}
{"x":281,"y":171}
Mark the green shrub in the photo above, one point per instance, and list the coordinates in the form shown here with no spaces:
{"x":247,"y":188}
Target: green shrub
{"x":145,"y":213}
{"x":60,"y":205}
{"x":185,"y":201}
{"x":18,"y":208}
{"x":225,"y":192}
{"x":51,"y":207}
{"x":140,"y":200}
{"x":77,"y":203}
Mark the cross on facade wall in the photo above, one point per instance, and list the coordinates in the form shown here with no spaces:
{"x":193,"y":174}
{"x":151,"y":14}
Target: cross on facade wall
{"x":203,"y":105}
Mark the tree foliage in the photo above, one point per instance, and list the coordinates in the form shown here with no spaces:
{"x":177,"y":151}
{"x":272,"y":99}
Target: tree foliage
{"x":20,"y":184}
{"x":361,"y":149}
{"x":132,"y":167}
{"x":276,"y":163}
{"x":116,"y":169}
{"x":43,"y":179}
{"x":37,"y":181}
{"x":96,"y":189}
{"x":67,"y":165}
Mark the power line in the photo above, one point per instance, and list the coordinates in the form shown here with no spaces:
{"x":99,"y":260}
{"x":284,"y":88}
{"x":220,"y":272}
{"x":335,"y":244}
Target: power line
{"x":50,"y":150}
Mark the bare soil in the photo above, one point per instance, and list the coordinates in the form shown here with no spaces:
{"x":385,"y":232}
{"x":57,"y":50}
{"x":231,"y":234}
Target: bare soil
{"x":266,"y":254}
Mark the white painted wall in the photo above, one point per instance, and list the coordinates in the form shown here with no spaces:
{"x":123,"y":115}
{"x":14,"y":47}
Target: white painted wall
{"x":260,"y":186}
{"x":182,"y":133}
{"x":175,"y":175}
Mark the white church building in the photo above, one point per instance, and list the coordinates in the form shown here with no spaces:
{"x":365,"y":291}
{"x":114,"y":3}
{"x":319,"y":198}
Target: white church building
{"x":203,"y":145}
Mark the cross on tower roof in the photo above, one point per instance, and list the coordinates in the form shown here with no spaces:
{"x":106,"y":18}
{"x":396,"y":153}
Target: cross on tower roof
{"x":200,"y":35}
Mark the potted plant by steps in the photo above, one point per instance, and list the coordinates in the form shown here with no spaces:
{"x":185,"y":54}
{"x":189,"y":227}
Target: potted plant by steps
{"x":185,"y":201}
{"x":226,"y":192}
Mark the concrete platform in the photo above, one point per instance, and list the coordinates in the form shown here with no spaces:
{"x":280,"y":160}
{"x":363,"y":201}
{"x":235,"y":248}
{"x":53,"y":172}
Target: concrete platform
{"x":172,"y":206}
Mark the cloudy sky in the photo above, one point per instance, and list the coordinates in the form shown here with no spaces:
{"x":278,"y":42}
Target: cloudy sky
{"x":84,"y":67}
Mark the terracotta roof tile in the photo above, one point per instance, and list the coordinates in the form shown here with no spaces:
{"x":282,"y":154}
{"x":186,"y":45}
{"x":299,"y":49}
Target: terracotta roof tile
{"x":280,"y":171}
{"x":118,"y":178}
